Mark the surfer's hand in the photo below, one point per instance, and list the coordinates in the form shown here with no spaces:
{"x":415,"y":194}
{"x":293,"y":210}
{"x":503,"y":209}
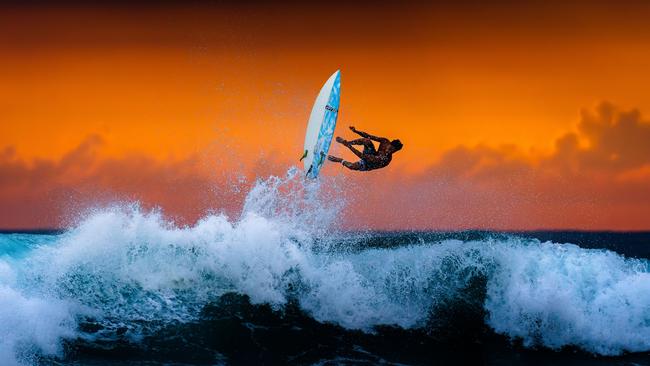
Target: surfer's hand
{"x":340,"y":140}
{"x":353,"y":129}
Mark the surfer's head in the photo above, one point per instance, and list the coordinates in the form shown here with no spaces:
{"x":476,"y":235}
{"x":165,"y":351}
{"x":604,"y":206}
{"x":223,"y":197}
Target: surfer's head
{"x":397,"y":145}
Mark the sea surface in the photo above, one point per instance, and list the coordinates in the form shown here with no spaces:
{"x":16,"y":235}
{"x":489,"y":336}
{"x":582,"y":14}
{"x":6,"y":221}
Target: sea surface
{"x":283,"y":284}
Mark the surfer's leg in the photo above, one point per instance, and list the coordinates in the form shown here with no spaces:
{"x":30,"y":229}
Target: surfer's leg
{"x":368,"y":146}
{"x":354,"y":166}
{"x":349,"y":146}
{"x":334,"y":159}
{"x":361,"y":141}
{"x":355,"y":151}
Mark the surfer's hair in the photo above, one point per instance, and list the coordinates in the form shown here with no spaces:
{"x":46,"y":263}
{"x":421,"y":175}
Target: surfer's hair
{"x":397,"y":144}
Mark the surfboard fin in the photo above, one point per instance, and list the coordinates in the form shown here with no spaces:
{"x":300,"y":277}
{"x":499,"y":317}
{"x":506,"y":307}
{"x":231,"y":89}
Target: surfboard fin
{"x":303,"y":155}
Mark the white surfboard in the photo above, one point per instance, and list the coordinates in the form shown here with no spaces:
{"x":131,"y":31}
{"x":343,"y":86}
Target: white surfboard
{"x":322,"y":123}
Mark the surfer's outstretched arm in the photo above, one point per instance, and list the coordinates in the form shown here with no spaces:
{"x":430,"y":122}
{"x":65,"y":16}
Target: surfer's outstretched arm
{"x":367,"y":135}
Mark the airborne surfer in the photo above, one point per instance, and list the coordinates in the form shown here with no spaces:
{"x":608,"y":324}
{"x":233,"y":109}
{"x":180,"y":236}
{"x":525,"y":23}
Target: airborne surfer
{"x":371,"y":158}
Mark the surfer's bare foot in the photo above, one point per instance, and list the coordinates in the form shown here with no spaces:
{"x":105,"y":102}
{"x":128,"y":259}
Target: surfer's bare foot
{"x":340,"y":140}
{"x":334,"y":159}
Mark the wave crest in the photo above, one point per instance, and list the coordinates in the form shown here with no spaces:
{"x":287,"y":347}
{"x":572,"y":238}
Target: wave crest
{"x":131,"y":273}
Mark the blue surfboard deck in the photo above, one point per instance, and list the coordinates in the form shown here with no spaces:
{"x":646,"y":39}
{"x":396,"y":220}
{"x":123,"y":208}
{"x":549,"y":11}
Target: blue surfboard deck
{"x":327,"y":127}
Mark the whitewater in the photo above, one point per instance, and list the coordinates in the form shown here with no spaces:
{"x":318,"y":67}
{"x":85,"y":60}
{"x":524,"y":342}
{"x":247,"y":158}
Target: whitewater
{"x":123,"y":275}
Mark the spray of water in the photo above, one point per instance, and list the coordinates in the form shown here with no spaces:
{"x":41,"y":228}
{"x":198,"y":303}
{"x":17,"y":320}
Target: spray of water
{"x":130,"y":270}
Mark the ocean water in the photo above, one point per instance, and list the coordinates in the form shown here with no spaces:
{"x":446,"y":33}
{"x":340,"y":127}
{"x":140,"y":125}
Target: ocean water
{"x":281,"y":283}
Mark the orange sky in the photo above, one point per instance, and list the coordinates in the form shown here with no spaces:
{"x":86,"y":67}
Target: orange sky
{"x":186,"y":98}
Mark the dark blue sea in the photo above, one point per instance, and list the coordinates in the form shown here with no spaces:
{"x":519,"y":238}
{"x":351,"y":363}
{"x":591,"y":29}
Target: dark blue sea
{"x":283,"y":284}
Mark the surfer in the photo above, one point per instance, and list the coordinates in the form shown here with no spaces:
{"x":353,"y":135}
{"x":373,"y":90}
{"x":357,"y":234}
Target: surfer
{"x":371,"y":158}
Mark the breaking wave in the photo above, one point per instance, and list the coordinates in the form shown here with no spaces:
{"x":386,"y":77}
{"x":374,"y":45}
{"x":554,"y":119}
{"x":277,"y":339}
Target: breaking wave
{"x":124,"y":274}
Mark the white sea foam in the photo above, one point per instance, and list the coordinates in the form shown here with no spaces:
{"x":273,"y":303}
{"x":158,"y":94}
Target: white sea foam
{"x":558,"y":295}
{"x":124,"y":267}
{"x":31,"y":325}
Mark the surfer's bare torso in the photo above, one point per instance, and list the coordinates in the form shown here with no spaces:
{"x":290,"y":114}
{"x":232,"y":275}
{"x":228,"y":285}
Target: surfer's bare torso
{"x":371,"y":158}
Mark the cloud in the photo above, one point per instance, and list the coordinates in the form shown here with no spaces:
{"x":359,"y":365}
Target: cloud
{"x":46,"y":193}
{"x":615,"y":141}
{"x":54,"y":193}
{"x":597,"y":177}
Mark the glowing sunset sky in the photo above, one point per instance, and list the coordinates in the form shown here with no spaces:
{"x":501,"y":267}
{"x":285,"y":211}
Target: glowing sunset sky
{"x":513,"y":116}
